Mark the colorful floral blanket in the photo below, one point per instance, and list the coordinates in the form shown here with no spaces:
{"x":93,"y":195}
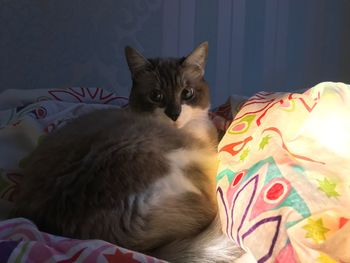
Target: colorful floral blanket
{"x":283,"y":182}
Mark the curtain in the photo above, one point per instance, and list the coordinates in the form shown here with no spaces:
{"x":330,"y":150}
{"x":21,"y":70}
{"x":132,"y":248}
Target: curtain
{"x":254,"y":45}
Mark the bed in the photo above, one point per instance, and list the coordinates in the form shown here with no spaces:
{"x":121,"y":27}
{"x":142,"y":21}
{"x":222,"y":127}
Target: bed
{"x":282,"y":184}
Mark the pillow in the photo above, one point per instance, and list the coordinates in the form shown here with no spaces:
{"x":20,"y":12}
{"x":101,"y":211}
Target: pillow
{"x":282,"y":184}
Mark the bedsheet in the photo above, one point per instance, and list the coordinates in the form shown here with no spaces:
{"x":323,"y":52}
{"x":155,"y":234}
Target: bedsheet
{"x":21,"y":241}
{"x":283,"y":181}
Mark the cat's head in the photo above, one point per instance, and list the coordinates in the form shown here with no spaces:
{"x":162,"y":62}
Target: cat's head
{"x":173,"y":89}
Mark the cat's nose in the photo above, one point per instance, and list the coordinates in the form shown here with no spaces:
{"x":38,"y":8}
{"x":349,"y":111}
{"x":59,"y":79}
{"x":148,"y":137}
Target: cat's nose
{"x":172,"y":113}
{"x":174,"y":116}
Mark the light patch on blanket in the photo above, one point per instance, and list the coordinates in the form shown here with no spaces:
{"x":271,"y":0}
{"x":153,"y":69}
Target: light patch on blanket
{"x":246,"y":258}
{"x":330,"y":128}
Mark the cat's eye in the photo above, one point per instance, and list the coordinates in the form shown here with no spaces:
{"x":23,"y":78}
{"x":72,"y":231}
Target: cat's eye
{"x":187,"y":93}
{"x":156,"y":96}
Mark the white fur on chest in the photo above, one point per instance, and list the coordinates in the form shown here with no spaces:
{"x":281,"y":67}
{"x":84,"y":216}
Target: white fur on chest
{"x":189,"y":113}
{"x":196,"y":122}
{"x":193,"y":120}
{"x":176,"y":182}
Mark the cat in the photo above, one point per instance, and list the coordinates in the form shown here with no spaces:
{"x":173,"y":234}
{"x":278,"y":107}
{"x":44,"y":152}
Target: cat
{"x":142,"y":177}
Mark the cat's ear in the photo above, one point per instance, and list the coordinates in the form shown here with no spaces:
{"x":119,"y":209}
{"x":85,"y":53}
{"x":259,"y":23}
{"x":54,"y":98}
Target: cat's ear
{"x":198,"y":57}
{"x":136,"y":61}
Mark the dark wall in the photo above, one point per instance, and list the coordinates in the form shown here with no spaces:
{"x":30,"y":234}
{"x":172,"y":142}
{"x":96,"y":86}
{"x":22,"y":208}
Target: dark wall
{"x":254,"y":44}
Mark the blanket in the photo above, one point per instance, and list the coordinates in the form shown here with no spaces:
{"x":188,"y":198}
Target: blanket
{"x":283,"y":182}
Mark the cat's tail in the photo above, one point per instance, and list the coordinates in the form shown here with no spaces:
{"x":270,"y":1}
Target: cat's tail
{"x":209,"y":246}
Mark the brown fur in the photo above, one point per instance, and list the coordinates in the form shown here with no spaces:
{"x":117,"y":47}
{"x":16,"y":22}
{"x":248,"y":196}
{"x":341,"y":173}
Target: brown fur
{"x":133,"y":179}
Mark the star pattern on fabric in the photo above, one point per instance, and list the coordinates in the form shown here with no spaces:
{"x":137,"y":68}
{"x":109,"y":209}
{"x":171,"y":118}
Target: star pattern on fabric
{"x":244,"y":154}
{"x":315,"y":230}
{"x":328,"y":187}
{"x":264,"y":142}
{"x":324,"y":258}
{"x":118,"y":257}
